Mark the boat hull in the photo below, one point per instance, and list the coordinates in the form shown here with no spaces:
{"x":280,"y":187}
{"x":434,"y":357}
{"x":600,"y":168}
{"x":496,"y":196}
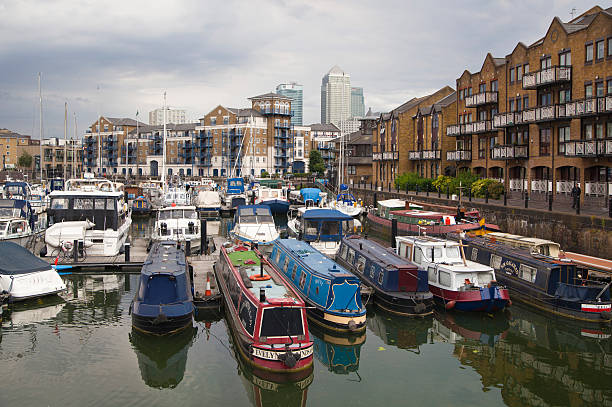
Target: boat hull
{"x":32,"y":285}
{"x":384,"y":226}
{"x":486,"y":299}
{"x":154,"y":325}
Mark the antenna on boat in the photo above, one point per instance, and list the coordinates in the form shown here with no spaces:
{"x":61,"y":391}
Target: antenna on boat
{"x":163,"y":175}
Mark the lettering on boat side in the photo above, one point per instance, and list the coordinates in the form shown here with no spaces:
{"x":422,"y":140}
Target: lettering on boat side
{"x":273,"y":355}
{"x":509,"y":267}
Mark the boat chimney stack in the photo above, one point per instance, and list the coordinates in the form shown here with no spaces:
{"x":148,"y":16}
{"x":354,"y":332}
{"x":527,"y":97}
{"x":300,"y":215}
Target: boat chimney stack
{"x":262,"y":294}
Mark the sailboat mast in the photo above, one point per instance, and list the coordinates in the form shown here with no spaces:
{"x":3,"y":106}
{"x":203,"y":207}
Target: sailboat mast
{"x":74,"y":148}
{"x":65,"y":137}
{"x":163,"y":175}
{"x":40,"y":161}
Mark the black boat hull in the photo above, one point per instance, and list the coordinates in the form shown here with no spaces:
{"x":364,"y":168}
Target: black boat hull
{"x":162,"y":326}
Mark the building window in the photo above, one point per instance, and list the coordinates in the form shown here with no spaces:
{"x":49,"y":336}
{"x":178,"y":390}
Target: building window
{"x":519,"y":73}
{"x":512,"y":105}
{"x":482,"y":88}
{"x":609,"y":130}
{"x":565,"y":95}
{"x":518,"y":104}
{"x":599,"y":88}
{"x":545,"y":62}
{"x":482,"y":115}
{"x":494,"y":86}
{"x":609,"y":86}
{"x":610,"y":47}
{"x":512,"y":75}
{"x":545,"y":141}
{"x":599,"y":49}
{"x":225,"y":119}
{"x":565,"y":59}
{"x":526,"y":102}
{"x":588,"y":132}
{"x":525,"y":69}
{"x":588,"y":91}
{"x":589,"y":52}
{"x":482,"y":147}
{"x":599,"y":131}
{"x":564,"y":137}
{"x":545,"y":99}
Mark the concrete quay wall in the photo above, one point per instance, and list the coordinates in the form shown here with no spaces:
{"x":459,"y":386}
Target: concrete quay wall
{"x":589,"y":235}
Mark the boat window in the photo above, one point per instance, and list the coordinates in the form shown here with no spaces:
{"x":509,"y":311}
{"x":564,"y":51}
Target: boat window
{"x":437,"y":253}
{"x":83,"y":203}
{"x":418,"y":255}
{"x":330,"y":228}
{"x":372,"y":270}
{"x":381,"y":276}
{"x":361,"y":264}
{"x":452,"y":252}
{"x":343,"y":251}
{"x":544,"y":249}
{"x":474,"y":254}
{"x":59,"y":203}
{"x":527,"y":273}
{"x":311,"y":227}
{"x":444,"y":278}
{"x":100,"y":203}
{"x":281,"y":321}
{"x":3,"y":225}
{"x":495,"y":261}
{"x":485,"y":278}
{"x":286,"y":267}
{"x":351,"y":256}
{"x":302,"y":280}
{"x":110,"y":204}
{"x":17,"y":227}
{"x":407,"y":251}
{"x":432,"y":275}
{"x":293,"y":272}
{"x":190,"y":214}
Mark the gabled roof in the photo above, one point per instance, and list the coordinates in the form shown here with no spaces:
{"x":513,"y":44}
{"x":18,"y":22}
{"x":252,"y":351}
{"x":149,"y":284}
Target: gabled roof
{"x":323,"y":127}
{"x":270,"y":95}
{"x":245,"y":112}
{"x":122,"y":121}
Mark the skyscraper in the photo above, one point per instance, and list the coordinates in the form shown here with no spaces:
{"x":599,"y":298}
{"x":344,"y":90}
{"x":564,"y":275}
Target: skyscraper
{"x":357,"y":102}
{"x":294,"y":91}
{"x":176,"y":116}
{"x":335,"y":96}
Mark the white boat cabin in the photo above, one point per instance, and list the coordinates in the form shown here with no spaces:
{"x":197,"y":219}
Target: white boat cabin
{"x":534,"y":245}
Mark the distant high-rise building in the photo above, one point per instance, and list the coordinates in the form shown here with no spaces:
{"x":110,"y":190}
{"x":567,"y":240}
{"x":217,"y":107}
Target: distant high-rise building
{"x":176,"y":116}
{"x":294,"y":91}
{"x":335,"y":96}
{"x":357,"y":102}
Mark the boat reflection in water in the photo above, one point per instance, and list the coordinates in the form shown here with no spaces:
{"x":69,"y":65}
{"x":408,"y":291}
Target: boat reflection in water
{"x":33,"y":311}
{"x":266,"y":388}
{"x":455,"y":327}
{"x":401,"y":332}
{"x":543,"y":362}
{"x":339,"y":353}
{"x":162,"y":359}
{"x":95,"y":299}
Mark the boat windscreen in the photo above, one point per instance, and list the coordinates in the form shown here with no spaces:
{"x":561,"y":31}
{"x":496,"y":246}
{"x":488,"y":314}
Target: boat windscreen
{"x":8,"y":212}
{"x":190,"y":214}
{"x":453,"y":252}
{"x":280,"y":321}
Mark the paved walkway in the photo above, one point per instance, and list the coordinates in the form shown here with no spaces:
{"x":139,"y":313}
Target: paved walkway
{"x":561,"y":203}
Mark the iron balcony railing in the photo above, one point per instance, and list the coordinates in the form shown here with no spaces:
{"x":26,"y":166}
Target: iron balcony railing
{"x":481,"y":99}
{"x":424,"y":155}
{"x":589,"y":148}
{"x":510,"y":152}
{"x":547,"y":76}
{"x":459,"y":155}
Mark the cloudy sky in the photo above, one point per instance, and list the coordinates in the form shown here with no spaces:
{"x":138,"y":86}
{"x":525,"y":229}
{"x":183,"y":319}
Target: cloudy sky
{"x":205,"y":53}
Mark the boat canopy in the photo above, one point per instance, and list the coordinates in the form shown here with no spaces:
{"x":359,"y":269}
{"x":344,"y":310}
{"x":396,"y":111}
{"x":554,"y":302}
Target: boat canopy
{"x":313,"y":194}
{"x":392,"y":203}
{"x":534,"y":245}
{"x":326,"y":215}
{"x":15,"y":259}
{"x":235,"y":185}
{"x":248,"y":214}
{"x":12,"y":189}
{"x":345,"y":197}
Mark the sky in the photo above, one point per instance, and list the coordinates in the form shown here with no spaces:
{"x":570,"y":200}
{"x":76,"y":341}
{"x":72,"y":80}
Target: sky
{"x":115,"y":58}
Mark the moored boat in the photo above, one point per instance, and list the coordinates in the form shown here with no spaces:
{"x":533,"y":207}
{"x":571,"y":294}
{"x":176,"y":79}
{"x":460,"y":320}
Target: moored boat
{"x":141,"y":206}
{"x":208,"y":203}
{"x":18,"y":221}
{"x":454,"y":281}
{"x":275,"y":198}
{"x":399,"y":286}
{"x":346,"y":203}
{"x":178,"y":224}
{"x":234,"y":194}
{"x":332,"y":293}
{"x":265,"y":313}
{"x":254,"y":224}
{"x":23,"y":275}
{"x":536,"y":274}
{"x":163,"y":303}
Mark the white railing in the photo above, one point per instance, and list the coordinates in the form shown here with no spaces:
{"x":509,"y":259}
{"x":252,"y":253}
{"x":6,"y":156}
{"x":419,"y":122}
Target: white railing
{"x":481,"y":99}
{"x":546,"y":76}
{"x":565,"y":187}
{"x":539,"y":185}
{"x":595,"y":188}
{"x":517,"y":184}
{"x":453,"y":130}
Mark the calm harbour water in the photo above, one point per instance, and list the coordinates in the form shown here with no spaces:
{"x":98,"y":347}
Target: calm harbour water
{"x":80,"y":350}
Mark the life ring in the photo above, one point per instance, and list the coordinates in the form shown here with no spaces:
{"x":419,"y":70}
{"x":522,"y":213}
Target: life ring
{"x":259,"y":277}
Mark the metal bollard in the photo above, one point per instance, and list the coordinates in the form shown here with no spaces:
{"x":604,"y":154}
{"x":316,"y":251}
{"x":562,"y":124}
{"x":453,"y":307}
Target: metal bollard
{"x":188,"y":247}
{"x":526,"y":200}
{"x":505,"y":198}
{"x":578,"y":206}
{"x":126,"y":252}
{"x":486,"y":196}
{"x":397,"y":187}
{"x":375,"y":200}
{"x":550,"y":202}
{"x":203,"y":238}
{"x":427,"y":190}
{"x":393,"y":231}
{"x":417,"y":189}
{"x":75,"y":251}
{"x":448,"y":192}
{"x":406,"y":188}
{"x":389,"y":187}
{"x":439,"y":193}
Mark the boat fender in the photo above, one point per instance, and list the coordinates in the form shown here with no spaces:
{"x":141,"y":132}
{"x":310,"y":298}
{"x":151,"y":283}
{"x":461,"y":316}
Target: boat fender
{"x":259,"y":277}
{"x":509,"y":303}
{"x":289,"y":358}
{"x":160,"y":319}
{"x":420,"y":307}
{"x":606,"y":315}
{"x":352,"y":325}
{"x":450,"y":305}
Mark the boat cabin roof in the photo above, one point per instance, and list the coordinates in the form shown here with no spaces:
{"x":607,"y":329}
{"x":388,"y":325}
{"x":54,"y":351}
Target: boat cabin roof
{"x":392,"y":203}
{"x":184,"y":207}
{"x":542,"y":246}
{"x":427,"y":241}
{"x":312,"y":258}
{"x":248,"y":210}
{"x":414,"y":213}
{"x":15,"y":259}
{"x":326,"y":215}
{"x":377,"y":253}
{"x":68,"y":194}
{"x":164,"y":258}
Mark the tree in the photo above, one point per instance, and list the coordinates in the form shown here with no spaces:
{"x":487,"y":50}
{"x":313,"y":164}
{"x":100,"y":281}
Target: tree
{"x":25,"y":160}
{"x":315,"y":162}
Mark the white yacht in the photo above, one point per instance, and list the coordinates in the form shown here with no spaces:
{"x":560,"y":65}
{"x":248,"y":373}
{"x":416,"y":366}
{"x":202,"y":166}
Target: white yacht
{"x":176,"y":196}
{"x":208,"y":203}
{"x":38,"y":199}
{"x":23,"y":275}
{"x":179,"y":224}
{"x":346,"y":203}
{"x":100,"y":219}
{"x":18,"y":221}
{"x":90,"y":184}
{"x":254,"y":224}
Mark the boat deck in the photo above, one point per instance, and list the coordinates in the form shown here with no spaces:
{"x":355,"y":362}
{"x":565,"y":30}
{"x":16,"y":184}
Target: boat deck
{"x":249,"y":265}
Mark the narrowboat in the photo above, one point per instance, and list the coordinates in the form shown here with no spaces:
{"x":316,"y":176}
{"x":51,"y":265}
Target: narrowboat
{"x":254,"y":224}
{"x":346,"y":203}
{"x":399,"y":286}
{"x":536,"y":274}
{"x":179,"y":224}
{"x":163,"y":303}
{"x":332,"y":294}
{"x":266,"y":315}
{"x":322,"y":228}
{"x":141,"y":206}
{"x":340,"y":354}
{"x":454,"y":281}
{"x":234,"y":194}
{"x":24,"y":276}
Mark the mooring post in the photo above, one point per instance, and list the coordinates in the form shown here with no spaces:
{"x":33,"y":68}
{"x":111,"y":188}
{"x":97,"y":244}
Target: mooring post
{"x":75,"y":251}
{"x":126,"y":252}
{"x":417,"y":189}
{"x":487,"y":195}
{"x":470,"y":194}
{"x":397,"y":187}
{"x":505,"y":198}
{"x":448,"y":192}
{"x":427,"y":190}
{"x":389,"y":187}
{"x":526,"y":200}
{"x":439,"y":193}
{"x":406,"y":188}
{"x":393,"y":231}
{"x":550,"y":202}
{"x":375,"y":199}
{"x":578,"y":206}
{"x":203,"y":238}
{"x":187,"y":247}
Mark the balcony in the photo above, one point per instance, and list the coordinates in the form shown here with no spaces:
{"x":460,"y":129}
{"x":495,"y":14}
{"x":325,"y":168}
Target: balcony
{"x":453,"y":130}
{"x":510,"y":152}
{"x":585,"y":107}
{"x":424,"y":155}
{"x":589,"y":148}
{"x":534,"y":115}
{"x":282,"y":126}
{"x":281,"y":112}
{"x":481,"y":99}
{"x":547,"y":76}
{"x":482,"y":126}
{"x":459,"y":155}
{"x":504,"y":120}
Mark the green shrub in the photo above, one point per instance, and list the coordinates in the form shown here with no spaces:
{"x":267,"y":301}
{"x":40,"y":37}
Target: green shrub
{"x":480,"y":188}
{"x":412,"y":180}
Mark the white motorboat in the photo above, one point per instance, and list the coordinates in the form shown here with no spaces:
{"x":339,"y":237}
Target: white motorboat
{"x":308,"y":197}
{"x":90,"y":184}
{"x":177,"y":196}
{"x":208,"y":203}
{"x":38,"y":199}
{"x":23,"y":275}
{"x":18,"y":222}
{"x":275,"y":198}
{"x":234,"y":194}
{"x":179,"y":224}
{"x":346,"y":203}
{"x":254,"y":224}
{"x":100,"y":219}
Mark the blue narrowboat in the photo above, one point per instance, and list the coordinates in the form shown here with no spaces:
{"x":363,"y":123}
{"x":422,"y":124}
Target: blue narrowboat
{"x":535,"y":274}
{"x":141,"y":206}
{"x":399,"y":286}
{"x":332,"y":294}
{"x":163,"y":303}
{"x":339,"y":353}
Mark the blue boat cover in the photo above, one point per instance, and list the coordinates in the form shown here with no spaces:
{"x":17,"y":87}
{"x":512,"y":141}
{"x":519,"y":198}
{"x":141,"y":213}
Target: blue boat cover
{"x":235,"y":185}
{"x":311,"y":193}
{"x":15,"y":259}
{"x":326,"y":214}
